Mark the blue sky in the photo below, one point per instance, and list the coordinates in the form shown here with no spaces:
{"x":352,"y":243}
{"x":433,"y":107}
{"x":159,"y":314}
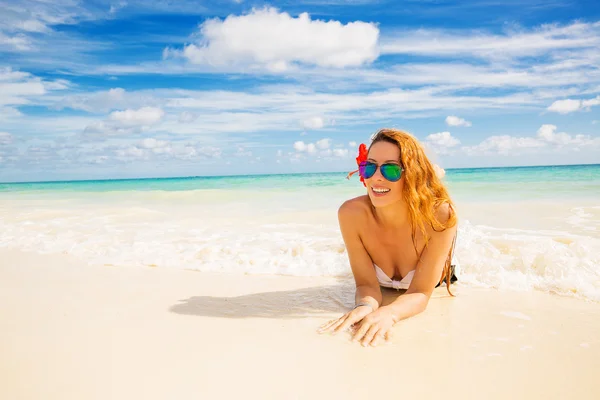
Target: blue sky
{"x":118,"y":89}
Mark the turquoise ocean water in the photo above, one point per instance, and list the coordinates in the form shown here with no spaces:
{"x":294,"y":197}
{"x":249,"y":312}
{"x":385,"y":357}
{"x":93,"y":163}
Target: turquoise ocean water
{"x":519,"y":228}
{"x":509,"y":183}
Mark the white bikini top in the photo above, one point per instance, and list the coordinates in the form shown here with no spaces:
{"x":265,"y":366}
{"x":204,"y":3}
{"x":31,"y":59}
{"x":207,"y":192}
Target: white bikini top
{"x":404,"y":283}
{"x":388,"y":282}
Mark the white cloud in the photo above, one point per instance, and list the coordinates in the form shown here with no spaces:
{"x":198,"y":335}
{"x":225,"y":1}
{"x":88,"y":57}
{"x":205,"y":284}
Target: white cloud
{"x":300,"y":146}
{"x":569,"y":56}
{"x":277,"y":41}
{"x":323,"y":144}
{"x":152,"y":143}
{"x":209,"y":151}
{"x":352,"y":144}
{"x":109,"y":128}
{"x":569,"y":105}
{"x":547,"y":133}
{"x":460,"y":74}
{"x":145,"y":116}
{"x":452,"y":120}
{"x":441,"y":142}
{"x":565,"y":106}
{"x":243,"y":152}
{"x":116,"y":7}
{"x":40,"y":15}
{"x":20,"y":88}
{"x":520,"y":43}
{"x":545,"y":136}
{"x":126,"y":122}
{"x":264,"y":109}
{"x":132,"y":152}
{"x":17,"y":42}
{"x":105,"y":100}
{"x":5,"y":138}
{"x":253,"y":111}
{"x":27,"y":27}
{"x":150,"y":149}
{"x":454,"y":75}
{"x":97,"y":159}
{"x":7,"y":74}
{"x":33,"y":25}
{"x":187,"y":117}
{"x":58,"y":84}
{"x":186,"y":152}
{"x":503,"y":144}
{"x":16,"y":89}
{"x":313,"y":123}
{"x":340,"y":152}
{"x":190,"y":151}
{"x":35,"y":15}
{"x":444,"y":139}
{"x":9,"y":112}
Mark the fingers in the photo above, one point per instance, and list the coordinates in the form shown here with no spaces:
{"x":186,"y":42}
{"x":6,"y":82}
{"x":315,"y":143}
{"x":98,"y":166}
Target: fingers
{"x":389,"y":336}
{"x":370,"y":334}
{"x":379,"y":336}
{"x":362,"y":330}
{"x":353,"y":318}
{"x":326,"y":325}
{"x":331,"y":324}
{"x":344,"y":322}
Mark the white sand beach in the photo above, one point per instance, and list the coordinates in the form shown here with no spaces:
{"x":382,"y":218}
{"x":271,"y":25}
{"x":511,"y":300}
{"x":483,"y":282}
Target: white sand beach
{"x":73,"y":331}
{"x":176,"y":290}
{"x":172,"y":174}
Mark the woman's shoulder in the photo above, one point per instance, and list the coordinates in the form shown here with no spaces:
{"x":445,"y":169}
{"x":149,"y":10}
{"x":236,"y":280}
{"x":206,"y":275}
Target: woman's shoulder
{"x":443,"y":212}
{"x":445,"y":217}
{"x":356,"y":207}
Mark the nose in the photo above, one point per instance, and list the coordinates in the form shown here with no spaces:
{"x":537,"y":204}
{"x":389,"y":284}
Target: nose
{"x":377,"y":175}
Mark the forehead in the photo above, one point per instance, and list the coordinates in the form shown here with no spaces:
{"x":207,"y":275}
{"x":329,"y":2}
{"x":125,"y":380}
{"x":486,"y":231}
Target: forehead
{"x":384,"y":151}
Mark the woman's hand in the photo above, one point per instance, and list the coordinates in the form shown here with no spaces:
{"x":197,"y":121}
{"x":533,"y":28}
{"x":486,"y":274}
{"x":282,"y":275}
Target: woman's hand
{"x":375,"y":327}
{"x":346,"y":321}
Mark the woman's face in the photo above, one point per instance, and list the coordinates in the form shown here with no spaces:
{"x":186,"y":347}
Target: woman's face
{"x":381,"y":191}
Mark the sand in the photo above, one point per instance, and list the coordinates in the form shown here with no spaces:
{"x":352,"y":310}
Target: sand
{"x":72,"y":331}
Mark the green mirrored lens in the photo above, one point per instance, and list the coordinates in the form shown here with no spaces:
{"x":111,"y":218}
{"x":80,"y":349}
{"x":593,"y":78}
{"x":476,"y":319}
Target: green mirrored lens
{"x":391,"y":172}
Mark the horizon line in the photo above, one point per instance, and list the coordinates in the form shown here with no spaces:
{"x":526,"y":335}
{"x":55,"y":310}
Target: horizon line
{"x":290,"y":173}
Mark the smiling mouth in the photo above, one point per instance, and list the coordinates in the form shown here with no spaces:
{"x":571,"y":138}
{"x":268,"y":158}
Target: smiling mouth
{"x":380,"y":190}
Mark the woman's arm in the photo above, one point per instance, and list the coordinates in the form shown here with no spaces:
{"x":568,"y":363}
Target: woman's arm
{"x":428,"y":272}
{"x":367,"y":286}
{"x":427,"y":275}
{"x":368,"y":292}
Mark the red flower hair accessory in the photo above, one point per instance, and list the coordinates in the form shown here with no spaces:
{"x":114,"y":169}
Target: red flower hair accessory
{"x":362,"y":156}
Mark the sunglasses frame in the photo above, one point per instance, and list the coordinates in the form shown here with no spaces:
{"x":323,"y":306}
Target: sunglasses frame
{"x":381,"y":168}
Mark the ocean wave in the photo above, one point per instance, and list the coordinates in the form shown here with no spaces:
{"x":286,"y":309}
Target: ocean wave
{"x":551,"y":261}
{"x":210,"y":240}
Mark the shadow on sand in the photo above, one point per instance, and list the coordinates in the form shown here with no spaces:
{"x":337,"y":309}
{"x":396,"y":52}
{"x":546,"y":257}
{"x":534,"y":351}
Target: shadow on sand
{"x":298,"y":303}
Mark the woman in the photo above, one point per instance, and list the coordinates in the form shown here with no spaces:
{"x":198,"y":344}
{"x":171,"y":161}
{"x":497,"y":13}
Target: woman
{"x":400,"y":235}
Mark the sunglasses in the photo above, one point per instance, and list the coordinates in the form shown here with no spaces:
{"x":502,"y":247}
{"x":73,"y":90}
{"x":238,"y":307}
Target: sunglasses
{"x":391,"y":172}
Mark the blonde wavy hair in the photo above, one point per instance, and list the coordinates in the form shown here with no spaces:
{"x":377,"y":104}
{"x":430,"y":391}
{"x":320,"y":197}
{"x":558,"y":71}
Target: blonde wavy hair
{"x":423,"y":191}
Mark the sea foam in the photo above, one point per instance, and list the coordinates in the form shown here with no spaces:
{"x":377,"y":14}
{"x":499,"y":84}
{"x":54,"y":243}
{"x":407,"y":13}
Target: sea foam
{"x":281,"y":234}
